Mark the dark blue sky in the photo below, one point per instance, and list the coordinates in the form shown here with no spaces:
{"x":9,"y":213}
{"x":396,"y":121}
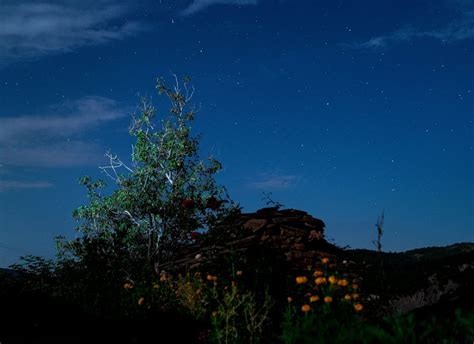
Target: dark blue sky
{"x":339,"y":108}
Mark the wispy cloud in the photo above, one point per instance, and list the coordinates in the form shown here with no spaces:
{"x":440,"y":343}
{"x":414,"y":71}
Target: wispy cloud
{"x":32,"y":29}
{"x":198,"y":5}
{"x":275,"y":182}
{"x":460,"y":29}
{"x":7,"y":185}
{"x":52,"y":140}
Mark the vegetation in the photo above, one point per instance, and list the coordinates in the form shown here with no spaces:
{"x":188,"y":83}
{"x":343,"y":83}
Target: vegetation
{"x":111,"y":272}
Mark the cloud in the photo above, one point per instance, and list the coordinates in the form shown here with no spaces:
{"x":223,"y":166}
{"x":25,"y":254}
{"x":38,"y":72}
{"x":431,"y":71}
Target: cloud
{"x":275,"y":182}
{"x":198,"y":5}
{"x":6,"y":185}
{"x":460,"y":29}
{"x":51,"y":140}
{"x":33,"y":29}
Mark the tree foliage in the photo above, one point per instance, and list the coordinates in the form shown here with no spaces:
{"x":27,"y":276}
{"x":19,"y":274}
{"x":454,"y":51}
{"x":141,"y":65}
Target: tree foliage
{"x":166,"y":196}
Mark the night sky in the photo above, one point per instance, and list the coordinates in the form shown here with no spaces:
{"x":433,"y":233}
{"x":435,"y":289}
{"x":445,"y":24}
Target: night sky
{"x":338,"y":108}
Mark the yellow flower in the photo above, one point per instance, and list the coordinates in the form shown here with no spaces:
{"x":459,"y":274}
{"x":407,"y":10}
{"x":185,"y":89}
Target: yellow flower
{"x":320,"y":280}
{"x":332,"y":279}
{"x":301,"y":279}
{"x":141,"y":301}
{"x":358,"y":307}
{"x":289,"y":299}
{"x":355,"y":296}
{"x":325,"y":260}
{"x":343,"y":282}
{"x":328,"y":299}
{"x":210,"y":277}
{"x":314,"y":298}
{"x":318,"y":273}
{"x":239,"y":273}
{"x":128,"y":285}
{"x":197,"y":274}
{"x":156,"y":285}
{"x":305,"y":308}
{"x":347,"y":297}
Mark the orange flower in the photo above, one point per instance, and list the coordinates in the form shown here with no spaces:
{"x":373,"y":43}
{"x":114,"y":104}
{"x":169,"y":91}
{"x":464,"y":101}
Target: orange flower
{"x":320,"y":280}
{"x":328,"y":299}
{"x":141,"y":301}
{"x":347,"y":297}
{"x":305,"y":308}
{"x":314,"y":298}
{"x":318,"y":273}
{"x":289,"y":299}
{"x":210,"y":277}
{"x":163,"y":278}
{"x":325,"y":260}
{"x":355,"y":286}
{"x":358,"y":307}
{"x":343,"y":282}
{"x":128,"y":285}
{"x":301,"y":279}
{"x":239,"y":273}
{"x":332,"y":279}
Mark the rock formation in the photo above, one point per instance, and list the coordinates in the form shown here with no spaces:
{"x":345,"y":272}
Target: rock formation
{"x":290,"y":237}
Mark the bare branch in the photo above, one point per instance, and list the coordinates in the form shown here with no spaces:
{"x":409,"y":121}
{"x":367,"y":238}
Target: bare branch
{"x":115,"y":163}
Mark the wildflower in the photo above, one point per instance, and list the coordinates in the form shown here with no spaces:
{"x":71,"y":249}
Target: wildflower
{"x":355,"y":286}
{"x":320,"y":280}
{"x":210,"y":277}
{"x":318,"y":273}
{"x":355,"y":296}
{"x":313,"y":298}
{"x":198,"y":291}
{"x":343,"y":282}
{"x":358,"y":307}
{"x":332,"y":279}
{"x":301,"y":279}
{"x":328,"y":299}
{"x":347,"y":297}
{"x":163,"y":278}
{"x":305,"y":308}
{"x":239,"y":273}
{"x":214,"y":314}
{"x":128,"y":285}
{"x":197,"y":274}
{"x":141,"y":301}
{"x":156,"y":285}
{"x":289,"y":299}
{"x":325,"y":260}
{"x":214,"y":278}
